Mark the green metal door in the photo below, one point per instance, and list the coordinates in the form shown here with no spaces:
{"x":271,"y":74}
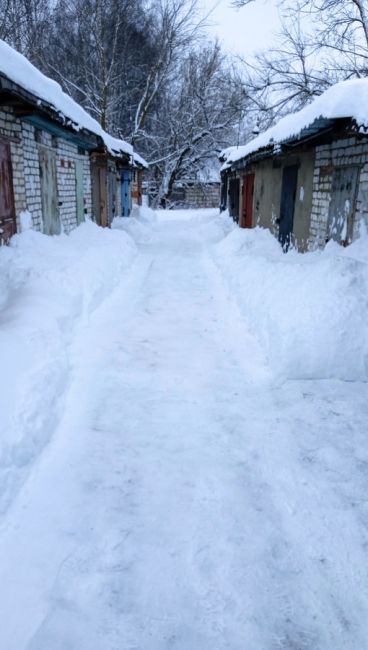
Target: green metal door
{"x":49,"y":193}
{"x":79,"y":190}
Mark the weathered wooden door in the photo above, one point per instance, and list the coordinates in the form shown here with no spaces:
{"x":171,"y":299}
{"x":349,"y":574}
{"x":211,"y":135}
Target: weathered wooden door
{"x":125,"y":192}
{"x":103,"y":196}
{"x":49,"y":193}
{"x":7,"y":212}
{"x":287,"y":204}
{"x":247,"y":201}
{"x":79,"y":190}
{"x":342,"y":206}
{"x":111,"y":193}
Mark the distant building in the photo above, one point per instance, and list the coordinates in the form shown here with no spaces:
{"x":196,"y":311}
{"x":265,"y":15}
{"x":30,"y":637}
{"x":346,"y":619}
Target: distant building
{"x":306,"y":179}
{"x":201,"y":189}
{"x":56,"y":162}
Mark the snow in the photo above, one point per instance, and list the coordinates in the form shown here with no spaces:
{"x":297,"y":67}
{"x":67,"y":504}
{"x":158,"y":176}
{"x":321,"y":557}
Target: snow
{"x":347,"y":99}
{"x":137,"y":225}
{"x":138,"y":160}
{"x":49,"y":286}
{"x":21,"y":71}
{"x":190,"y":494}
{"x":308,"y":311}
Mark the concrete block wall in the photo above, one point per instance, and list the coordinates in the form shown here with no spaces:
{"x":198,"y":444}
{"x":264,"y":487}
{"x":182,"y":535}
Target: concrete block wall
{"x":348,"y":151}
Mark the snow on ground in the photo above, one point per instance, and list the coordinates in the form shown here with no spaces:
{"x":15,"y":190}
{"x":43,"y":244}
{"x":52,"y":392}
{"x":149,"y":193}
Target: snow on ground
{"x":309,"y":312}
{"x":189,"y":498}
{"x":48,"y":287}
{"x":185,"y":215}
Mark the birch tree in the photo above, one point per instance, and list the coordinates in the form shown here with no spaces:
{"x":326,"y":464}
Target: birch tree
{"x":24,"y":25}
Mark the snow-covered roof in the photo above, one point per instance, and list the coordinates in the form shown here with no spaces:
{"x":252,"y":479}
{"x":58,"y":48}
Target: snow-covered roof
{"x":23,"y":73}
{"x":139,"y":161}
{"x":225,"y":153}
{"x":347,"y":99}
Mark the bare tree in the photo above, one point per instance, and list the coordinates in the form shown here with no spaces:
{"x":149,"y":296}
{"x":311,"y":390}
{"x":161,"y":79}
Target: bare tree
{"x":198,"y":116}
{"x":321,"y":42}
{"x":176,"y":28}
{"x":97,"y":50}
{"x":24,"y":24}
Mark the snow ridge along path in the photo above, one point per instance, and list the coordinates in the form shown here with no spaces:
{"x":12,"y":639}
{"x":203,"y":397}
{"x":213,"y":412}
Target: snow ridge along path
{"x":188,"y":501}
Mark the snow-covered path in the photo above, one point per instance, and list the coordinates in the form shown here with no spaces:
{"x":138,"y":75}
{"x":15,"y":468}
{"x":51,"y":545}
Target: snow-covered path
{"x":188,"y":502}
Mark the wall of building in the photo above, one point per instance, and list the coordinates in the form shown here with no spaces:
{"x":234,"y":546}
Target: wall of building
{"x":24,"y":143}
{"x":267,"y":194}
{"x":343,"y":152}
{"x":67,"y":154}
{"x":203,"y":196}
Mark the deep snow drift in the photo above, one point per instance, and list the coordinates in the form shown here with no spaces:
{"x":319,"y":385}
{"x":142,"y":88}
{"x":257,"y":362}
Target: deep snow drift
{"x":309,"y":311}
{"x":48,"y":287}
{"x":188,"y":498}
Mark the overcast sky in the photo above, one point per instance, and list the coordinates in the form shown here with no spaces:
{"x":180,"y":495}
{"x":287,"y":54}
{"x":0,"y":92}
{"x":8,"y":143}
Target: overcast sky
{"x":243,"y":30}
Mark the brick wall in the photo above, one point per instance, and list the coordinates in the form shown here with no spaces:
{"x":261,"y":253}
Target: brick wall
{"x":32,"y":175}
{"x":24,"y":142}
{"x":66,"y":157}
{"x":202,"y":196}
{"x":349,"y":151}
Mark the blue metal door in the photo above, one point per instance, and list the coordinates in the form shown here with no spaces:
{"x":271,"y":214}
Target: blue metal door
{"x":125,"y":193}
{"x":287,"y":206}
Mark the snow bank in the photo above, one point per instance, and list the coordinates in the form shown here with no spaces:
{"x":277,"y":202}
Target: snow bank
{"x":138,"y":225}
{"x":309,"y":311}
{"x":215,"y":229}
{"x":345,"y":99}
{"x":48,"y":288}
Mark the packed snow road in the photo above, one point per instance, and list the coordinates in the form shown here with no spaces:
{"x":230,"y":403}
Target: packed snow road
{"x":187,"y":500}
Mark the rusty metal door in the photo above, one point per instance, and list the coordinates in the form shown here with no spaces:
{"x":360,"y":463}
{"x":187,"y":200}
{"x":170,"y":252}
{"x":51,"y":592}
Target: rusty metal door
{"x":287,"y":204}
{"x":49,"y":192}
{"x":79,"y":190}
{"x":342,"y":206}
{"x":7,"y":212}
{"x":103,"y":196}
{"x":140,"y":186}
{"x":247,"y":201}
